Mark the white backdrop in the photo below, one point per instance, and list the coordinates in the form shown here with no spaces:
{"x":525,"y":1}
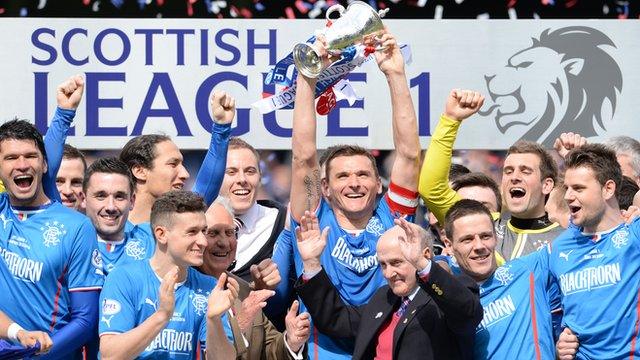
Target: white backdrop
{"x":146,"y":76}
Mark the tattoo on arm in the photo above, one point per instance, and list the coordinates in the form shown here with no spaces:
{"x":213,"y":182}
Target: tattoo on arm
{"x":312,"y":187}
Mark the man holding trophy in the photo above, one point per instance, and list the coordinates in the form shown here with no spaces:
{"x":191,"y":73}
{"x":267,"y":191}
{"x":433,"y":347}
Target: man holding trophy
{"x":346,"y":201}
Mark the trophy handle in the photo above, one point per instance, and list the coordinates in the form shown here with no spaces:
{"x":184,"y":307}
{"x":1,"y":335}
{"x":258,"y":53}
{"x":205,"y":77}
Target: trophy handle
{"x":333,"y":8}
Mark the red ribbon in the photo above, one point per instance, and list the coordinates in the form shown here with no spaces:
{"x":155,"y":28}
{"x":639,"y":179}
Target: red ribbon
{"x":326,"y":102}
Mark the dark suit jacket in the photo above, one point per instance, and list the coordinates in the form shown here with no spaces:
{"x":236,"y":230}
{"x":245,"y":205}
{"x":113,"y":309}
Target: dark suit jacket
{"x":443,"y":312}
{"x":265,"y":341}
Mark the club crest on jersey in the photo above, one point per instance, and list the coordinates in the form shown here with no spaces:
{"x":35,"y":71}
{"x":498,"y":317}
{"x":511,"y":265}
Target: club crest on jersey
{"x":620,"y":238}
{"x":503,"y":275}
{"x":199,"y":302}
{"x":52,"y":233}
{"x":96,"y":260}
{"x":374,"y":226}
{"x":134,"y":249}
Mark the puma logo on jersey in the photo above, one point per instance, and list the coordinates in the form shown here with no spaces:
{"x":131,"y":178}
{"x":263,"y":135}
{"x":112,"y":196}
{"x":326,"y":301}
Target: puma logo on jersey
{"x":107,"y":320}
{"x":5,"y":221}
{"x":152,"y":303}
{"x":564,"y":255}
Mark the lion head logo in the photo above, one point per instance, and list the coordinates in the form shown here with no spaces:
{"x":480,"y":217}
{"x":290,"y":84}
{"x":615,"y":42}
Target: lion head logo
{"x":563,"y":82}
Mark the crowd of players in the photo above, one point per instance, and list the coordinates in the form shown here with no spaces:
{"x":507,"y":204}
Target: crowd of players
{"x":118,"y":259}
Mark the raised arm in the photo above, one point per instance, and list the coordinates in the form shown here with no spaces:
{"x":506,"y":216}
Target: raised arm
{"x":305,"y":177}
{"x":68,"y":96}
{"x":404,"y":172}
{"x":434,"y":176}
{"x":211,"y":173}
{"x":457,"y":297}
{"x":329,"y":313}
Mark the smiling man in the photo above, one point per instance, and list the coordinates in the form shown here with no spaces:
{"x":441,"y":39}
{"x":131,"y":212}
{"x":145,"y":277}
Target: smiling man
{"x":347,"y":199}
{"x":157,"y":164}
{"x":70,"y":178}
{"x":259,"y":221}
{"x":109,"y":190}
{"x":50,"y":272}
{"x":162,"y":308}
{"x":422,"y":312}
{"x":528,"y":177}
{"x":517,"y":297}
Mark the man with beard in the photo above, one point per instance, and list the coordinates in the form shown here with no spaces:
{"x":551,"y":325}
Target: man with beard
{"x":528,"y":177}
{"x":347,"y":199}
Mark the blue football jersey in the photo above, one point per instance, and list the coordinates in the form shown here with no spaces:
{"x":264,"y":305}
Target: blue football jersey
{"x":42,"y":259}
{"x":350,"y":262}
{"x":517,"y":311}
{"x":137,"y":245}
{"x":599,"y":276}
{"x":130,"y":296}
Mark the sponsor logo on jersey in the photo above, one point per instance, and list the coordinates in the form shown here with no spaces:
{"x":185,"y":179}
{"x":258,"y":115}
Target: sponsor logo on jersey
{"x":20,"y":241}
{"x":496,"y":311}
{"x":110,"y":307}
{"x":52,"y":232}
{"x":21,"y":267}
{"x":353,"y":259}
{"x":590,"y":278}
{"x":134,"y":249}
{"x":173,"y":341}
{"x":620,"y":238}
{"x":593,"y":254}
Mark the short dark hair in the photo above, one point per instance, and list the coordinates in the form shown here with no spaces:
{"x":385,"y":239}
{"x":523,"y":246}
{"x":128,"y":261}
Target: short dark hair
{"x":325,"y":154}
{"x":22,"y":130}
{"x":462,"y":208}
{"x":141,"y":150}
{"x":601,"y":159}
{"x":175,"y":202}
{"x":457,"y":170}
{"x":237,"y":143}
{"x":628,"y":189}
{"x":548,"y":166}
{"x":109,"y":165}
{"x":349,"y":150}
{"x":481,"y":180}
{"x":71,"y":152}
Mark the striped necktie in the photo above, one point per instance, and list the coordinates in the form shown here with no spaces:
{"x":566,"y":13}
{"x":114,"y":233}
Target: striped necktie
{"x":403,"y":306}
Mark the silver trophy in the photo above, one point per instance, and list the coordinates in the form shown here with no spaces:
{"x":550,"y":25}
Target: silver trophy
{"x":355,"y":23}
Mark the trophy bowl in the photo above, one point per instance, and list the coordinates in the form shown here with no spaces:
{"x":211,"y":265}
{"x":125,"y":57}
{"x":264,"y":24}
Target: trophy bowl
{"x":355,"y":23}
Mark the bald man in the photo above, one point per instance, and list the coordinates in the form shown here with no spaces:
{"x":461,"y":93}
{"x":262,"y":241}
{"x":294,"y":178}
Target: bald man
{"x":422,"y":312}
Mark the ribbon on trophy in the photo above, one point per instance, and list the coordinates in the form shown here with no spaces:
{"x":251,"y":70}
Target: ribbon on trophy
{"x":332,"y":85}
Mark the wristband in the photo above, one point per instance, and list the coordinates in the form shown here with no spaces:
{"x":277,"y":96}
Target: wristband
{"x":12,"y":331}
